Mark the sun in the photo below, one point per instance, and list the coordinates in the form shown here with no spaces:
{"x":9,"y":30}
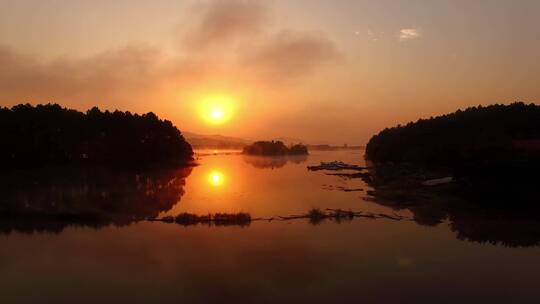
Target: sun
{"x":217,"y":114}
{"x":217,"y":109}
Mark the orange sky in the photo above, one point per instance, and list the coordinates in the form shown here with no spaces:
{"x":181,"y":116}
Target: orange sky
{"x":323,"y":71}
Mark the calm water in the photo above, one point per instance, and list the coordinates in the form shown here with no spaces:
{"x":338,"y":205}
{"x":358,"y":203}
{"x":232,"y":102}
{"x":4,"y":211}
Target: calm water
{"x":466,"y":260}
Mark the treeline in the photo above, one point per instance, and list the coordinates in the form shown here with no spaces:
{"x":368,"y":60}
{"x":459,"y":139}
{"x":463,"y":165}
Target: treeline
{"x":52,"y":135}
{"x":477,"y":134}
{"x":274,"y":148}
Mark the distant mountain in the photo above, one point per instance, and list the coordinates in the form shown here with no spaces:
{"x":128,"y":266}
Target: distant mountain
{"x":215,"y":141}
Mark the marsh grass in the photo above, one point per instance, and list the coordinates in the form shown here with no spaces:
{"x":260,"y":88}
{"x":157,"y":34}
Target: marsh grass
{"x":315,"y":217}
{"x":343,"y":215}
{"x":218,"y":219}
{"x":240,"y":218}
{"x":187,"y":219}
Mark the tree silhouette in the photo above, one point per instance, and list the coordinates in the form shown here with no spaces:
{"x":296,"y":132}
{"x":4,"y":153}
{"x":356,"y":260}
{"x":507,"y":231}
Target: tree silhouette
{"x":52,"y":135}
{"x":495,"y":132}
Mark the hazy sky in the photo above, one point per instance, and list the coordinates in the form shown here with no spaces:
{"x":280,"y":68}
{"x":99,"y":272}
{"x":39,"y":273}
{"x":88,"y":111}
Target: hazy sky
{"x":335,"y":71}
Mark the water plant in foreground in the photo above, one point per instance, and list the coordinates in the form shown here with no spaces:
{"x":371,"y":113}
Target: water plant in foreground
{"x":218,"y":219}
{"x":315,"y":216}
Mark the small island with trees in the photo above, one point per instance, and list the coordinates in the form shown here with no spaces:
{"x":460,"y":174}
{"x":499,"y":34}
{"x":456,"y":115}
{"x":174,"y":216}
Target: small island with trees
{"x":274,"y":148}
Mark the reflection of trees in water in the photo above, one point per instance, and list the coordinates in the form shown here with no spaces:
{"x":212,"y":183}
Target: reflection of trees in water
{"x":51,"y":199}
{"x":514,"y":226}
{"x":273,"y":162}
{"x":496,"y":229}
{"x":499,"y":213}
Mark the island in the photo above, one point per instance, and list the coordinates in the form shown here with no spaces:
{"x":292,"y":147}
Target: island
{"x":274,"y":148}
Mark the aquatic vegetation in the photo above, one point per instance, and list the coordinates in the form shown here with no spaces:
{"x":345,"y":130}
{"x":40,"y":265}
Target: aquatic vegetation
{"x":187,"y":219}
{"x":317,"y":215}
{"x":239,"y":218}
{"x":314,"y":215}
{"x":168,"y":219}
{"x":217,"y":219}
{"x":343,"y":215}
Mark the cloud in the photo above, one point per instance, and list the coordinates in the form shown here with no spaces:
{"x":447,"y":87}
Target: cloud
{"x":409,"y":34}
{"x":373,"y":35}
{"x":259,"y":51}
{"x":223,"y":21}
{"x":290,"y":54}
{"x":116,"y":74}
{"x":134,"y":76}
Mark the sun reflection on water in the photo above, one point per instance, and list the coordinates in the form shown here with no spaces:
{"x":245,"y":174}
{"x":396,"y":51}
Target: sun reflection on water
{"x":216,"y":178}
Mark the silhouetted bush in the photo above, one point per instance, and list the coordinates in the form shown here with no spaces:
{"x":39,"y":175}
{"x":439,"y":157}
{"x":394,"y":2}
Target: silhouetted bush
{"x":52,"y":135}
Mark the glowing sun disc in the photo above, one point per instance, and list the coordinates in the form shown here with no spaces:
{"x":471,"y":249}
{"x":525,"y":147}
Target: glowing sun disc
{"x":217,"y":114}
{"x":216,"y":109}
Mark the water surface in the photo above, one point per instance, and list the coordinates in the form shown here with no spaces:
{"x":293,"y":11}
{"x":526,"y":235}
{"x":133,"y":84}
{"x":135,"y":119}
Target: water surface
{"x":371,"y":261}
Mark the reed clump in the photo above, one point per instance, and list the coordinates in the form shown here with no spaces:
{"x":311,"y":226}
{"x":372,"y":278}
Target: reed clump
{"x":218,"y":219}
{"x":317,"y":215}
{"x":240,"y":218}
{"x":340,"y":215}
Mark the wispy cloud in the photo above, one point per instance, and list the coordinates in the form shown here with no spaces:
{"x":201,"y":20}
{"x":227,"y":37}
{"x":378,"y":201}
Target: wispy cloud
{"x":290,"y":54}
{"x":374,"y":35}
{"x":223,"y":21}
{"x":139,"y":72}
{"x":407,"y":34}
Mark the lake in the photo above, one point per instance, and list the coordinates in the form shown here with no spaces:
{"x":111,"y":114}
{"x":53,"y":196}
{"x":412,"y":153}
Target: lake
{"x":467,"y":259}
